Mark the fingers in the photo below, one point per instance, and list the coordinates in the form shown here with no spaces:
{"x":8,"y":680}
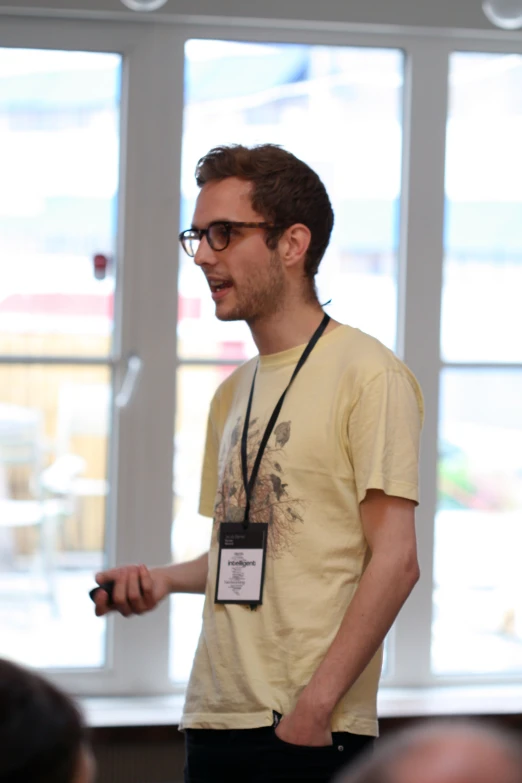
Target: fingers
{"x":111,"y":575}
{"x":120,"y":592}
{"x":147,"y":588}
{"x":101,"y":601}
{"x":133,"y":591}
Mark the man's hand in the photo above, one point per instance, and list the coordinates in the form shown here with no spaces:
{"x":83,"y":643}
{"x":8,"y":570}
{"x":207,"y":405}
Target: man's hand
{"x":136,"y":590}
{"x":304,"y":727}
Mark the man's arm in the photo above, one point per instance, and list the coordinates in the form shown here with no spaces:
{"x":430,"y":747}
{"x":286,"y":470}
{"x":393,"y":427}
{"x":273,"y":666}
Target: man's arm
{"x":138,"y":589}
{"x":389,"y":527}
{"x":188,"y":577}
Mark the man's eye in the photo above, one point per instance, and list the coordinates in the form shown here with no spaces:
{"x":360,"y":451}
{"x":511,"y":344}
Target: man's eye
{"x":220,"y":232}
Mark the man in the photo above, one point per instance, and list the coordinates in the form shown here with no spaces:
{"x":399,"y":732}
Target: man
{"x":285,"y":677}
{"x":442,"y":752}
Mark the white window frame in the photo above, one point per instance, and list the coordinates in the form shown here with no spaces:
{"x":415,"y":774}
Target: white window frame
{"x":141,"y":468}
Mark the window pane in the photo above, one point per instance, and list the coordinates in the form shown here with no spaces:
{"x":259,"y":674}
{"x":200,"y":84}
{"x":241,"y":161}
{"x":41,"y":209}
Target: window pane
{"x":59,"y":151}
{"x":339,"y":109}
{"x":190,"y":532}
{"x":478,"y":536}
{"x":481,"y":314}
{"x":54,"y":425}
{"x":314,"y":101}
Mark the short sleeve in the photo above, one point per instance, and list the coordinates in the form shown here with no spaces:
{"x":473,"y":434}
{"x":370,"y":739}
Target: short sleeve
{"x":209,"y":471}
{"x":384,"y":433}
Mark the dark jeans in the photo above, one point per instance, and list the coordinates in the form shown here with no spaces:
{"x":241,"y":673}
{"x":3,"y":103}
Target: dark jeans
{"x":259,"y":756}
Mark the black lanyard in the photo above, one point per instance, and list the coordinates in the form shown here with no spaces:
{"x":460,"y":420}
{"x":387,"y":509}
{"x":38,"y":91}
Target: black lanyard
{"x":249,"y":483}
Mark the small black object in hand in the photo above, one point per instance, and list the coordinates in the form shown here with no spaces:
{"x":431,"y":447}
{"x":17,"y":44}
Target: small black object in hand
{"x":107,"y":586}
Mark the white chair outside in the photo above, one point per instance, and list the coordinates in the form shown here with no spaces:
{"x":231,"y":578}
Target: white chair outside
{"x":32,"y":496}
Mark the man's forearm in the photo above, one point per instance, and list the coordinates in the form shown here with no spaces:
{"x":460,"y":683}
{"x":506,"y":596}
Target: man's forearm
{"x":382,"y":591}
{"x":188,"y":577}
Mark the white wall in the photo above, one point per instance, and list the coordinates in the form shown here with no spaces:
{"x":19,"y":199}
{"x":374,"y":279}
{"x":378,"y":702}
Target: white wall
{"x":457,"y":14}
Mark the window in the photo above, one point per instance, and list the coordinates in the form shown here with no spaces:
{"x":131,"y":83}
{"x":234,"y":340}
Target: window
{"x":477,"y":613}
{"x":339,"y":109}
{"x":101,"y":128}
{"x":58,"y":209}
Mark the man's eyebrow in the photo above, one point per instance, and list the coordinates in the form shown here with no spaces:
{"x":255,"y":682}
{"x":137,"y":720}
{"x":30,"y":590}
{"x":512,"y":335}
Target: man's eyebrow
{"x":216,"y":220}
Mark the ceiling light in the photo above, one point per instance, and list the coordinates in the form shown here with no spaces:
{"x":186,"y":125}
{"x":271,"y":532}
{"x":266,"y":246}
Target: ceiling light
{"x":506,"y":14}
{"x":144,"y":5}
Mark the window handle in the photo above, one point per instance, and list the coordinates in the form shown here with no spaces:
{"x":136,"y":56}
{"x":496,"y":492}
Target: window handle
{"x":134,"y":365}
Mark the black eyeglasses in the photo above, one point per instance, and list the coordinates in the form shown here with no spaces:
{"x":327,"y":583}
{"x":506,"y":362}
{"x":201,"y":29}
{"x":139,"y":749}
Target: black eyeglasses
{"x":217,"y":233}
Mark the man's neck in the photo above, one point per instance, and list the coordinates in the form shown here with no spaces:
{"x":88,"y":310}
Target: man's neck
{"x":288,"y":328}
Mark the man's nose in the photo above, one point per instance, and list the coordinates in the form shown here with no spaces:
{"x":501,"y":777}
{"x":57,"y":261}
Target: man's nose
{"x":204,"y":254}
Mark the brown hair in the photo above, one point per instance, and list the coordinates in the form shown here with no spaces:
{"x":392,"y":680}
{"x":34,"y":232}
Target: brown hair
{"x":285,"y":191}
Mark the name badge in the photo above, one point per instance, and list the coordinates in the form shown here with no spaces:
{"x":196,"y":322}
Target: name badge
{"x":241,"y":563}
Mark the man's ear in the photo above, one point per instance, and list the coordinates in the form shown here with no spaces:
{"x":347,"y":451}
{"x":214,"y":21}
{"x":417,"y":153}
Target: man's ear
{"x":294,"y":244}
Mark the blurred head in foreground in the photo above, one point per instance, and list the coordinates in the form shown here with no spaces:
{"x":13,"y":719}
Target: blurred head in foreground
{"x":43,"y":738}
{"x":442,"y":752}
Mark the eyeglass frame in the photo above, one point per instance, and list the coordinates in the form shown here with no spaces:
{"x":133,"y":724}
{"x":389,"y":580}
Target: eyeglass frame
{"x":229,"y":224}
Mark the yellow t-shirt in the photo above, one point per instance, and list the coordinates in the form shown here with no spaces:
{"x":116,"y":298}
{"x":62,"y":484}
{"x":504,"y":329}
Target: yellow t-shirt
{"x":350,"y":422}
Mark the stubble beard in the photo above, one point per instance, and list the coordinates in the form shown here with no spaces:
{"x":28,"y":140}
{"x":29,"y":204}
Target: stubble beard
{"x":261,"y":298}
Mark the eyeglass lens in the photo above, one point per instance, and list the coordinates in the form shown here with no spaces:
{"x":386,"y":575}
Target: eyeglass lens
{"x":218,"y":237}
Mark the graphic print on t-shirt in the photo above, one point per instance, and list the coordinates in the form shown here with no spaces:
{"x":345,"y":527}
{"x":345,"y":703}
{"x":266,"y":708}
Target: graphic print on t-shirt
{"x":271,"y":501}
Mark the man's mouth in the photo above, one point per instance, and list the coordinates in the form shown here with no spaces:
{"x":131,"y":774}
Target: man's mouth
{"x":220,"y":286}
